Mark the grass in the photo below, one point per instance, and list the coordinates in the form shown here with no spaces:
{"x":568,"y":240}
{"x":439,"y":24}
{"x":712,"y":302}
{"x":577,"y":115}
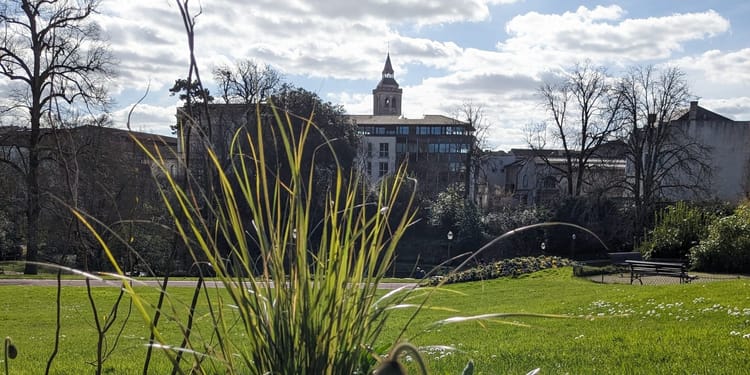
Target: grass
{"x":27,"y":315}
{"x":693,"y":328}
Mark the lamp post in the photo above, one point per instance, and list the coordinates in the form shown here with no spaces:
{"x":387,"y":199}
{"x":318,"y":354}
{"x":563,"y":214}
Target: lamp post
{"x":572,"y":245}
{"x":450,"y":241}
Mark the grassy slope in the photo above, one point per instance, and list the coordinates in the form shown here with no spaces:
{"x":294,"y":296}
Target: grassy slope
{"x":622,"y":329}
{"x":619,"y":329}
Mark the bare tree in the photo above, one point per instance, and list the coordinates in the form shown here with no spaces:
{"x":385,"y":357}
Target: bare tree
{"x":474,"y":114}
{"x":247,"y":82}
{"x":663,"y":158}
{"x":54,"y":55}
{"x":583,"y":109}
{"x":243,"y":84}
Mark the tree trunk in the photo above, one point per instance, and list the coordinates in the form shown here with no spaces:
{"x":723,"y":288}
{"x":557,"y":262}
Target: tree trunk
{"x":33,"y":206}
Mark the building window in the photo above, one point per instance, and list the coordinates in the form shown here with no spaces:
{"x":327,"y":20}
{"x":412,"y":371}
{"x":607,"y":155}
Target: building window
{"x":383,"y":150}
{"x":454,"y":130}
{"x":403,"y":130}
{"x":383,"y":169}
{"x":401,"y":148}
{"x":369,"y":149}
{"x":368,"y":168}
{"x":379,"y":130}
{"x":423,"y":130}
{"x":365,"y":130}
{"x":448,"y":148}
{"x":436,"y":130}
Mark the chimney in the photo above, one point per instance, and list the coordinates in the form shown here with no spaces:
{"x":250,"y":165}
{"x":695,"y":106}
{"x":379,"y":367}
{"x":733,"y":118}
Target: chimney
{"x":693,"y":110}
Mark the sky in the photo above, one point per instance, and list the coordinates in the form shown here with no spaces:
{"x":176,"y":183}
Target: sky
{"x":494,"y":54}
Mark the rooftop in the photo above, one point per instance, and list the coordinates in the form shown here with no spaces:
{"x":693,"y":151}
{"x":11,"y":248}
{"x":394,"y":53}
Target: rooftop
{"x":363,"y":120}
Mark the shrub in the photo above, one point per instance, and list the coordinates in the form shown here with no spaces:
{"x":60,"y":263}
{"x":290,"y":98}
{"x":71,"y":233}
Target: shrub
{"x":510,"y":218}
{"x":727,"y":246}
{"x":451,"y":211}
{"x":678,"y":228}
{"x":317,"y":323}
{"x":606,"y":217}
{"x":505,"y":268}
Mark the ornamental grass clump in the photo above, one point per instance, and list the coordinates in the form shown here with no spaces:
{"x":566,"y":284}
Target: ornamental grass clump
{"x":300,"y":289}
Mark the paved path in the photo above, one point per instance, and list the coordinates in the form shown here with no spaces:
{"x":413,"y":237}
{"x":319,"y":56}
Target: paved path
{"x":150,"y":282}
{"x":624,"y":278}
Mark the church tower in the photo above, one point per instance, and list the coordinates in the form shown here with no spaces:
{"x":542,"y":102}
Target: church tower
{"x":386,"y":97}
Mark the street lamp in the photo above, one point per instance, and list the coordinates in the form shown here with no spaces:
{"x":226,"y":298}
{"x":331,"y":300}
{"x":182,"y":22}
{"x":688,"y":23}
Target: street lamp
{"x":450,"y":240}
{"x":572,"y":245}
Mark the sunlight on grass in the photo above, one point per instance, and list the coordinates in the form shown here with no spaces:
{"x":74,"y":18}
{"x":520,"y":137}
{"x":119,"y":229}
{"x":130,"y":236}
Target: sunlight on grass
{"x":660,"y":329}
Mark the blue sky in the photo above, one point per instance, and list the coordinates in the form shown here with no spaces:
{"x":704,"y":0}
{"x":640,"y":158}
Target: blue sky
{"x":492,"y":53}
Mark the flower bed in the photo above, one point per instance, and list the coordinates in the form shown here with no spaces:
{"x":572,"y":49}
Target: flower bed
{"x":505,"y":268}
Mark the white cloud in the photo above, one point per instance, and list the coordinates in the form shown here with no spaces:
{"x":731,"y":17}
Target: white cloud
{"x":323,"y":39}
{"x":345,"y":41}
{"x":147,"y":118}
{"x":721,"y":80}
{"x":720,"y":67}
{"x":360,"y":103}
{"x":602,"y":33}
{"x":334,"y":39}
{"x":736,"y":108}
{"x":417,"y":12}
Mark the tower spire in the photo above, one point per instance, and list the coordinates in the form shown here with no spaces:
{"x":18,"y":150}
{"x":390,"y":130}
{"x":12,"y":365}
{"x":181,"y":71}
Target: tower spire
{"x":388,"y":68}
{"x":387,"y":95}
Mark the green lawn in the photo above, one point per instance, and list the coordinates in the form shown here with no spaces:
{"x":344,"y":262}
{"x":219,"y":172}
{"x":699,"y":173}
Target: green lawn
{"x":613,"y":329}
{"x":610,"y":329}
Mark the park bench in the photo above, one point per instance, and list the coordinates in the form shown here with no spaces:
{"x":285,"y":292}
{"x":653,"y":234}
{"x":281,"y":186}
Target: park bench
{"x":640,"y":268}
